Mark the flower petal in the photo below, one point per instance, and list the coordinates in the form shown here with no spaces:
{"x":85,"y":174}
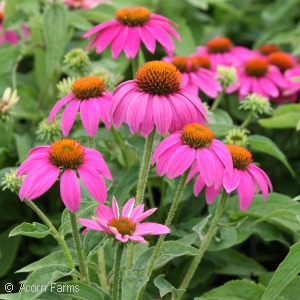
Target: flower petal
{"x":70,"y":190}
{"x":128,"y":207}
{"x":231,"y":182}
{"x":69,"y":116}
{"x":151,"y":228}
{"x":162,"y":114}
{"x":245,"y":190}
{"x":89,"y":224}
{"x":115,"y":208}
{"x":90,"y":116}
{"x":59,"y":104}
{"x":211,"y":194}
{"x":206,"y":165}
{"x":139,"y":218}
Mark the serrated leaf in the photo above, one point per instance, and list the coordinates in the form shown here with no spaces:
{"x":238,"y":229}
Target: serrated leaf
{"x":165,"y":286}
{"x":132,"y":283}
{"x":43,"y":277}
{"x":264,"y":144}
{"x":58,"y":257}
{"x":35,"y":229}
{"x":55,"y":38}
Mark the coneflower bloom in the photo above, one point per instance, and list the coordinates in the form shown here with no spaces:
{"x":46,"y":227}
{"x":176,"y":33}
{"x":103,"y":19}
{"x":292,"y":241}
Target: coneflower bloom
{"x":222,"y":51}
{"x":89,"y":96}
{"x":284,"y":62}
{"x":126,"y":227}
{"x":196,"y":147}
{"x":8,"y":35}
{"x":247,"y":178}
{"x":196,"y":74}
{"x":267,"y":49}
{"x":131,"y":26}
{"x":294,"y":86}
{"x":65,"y":159}
{"x":256,"y":75}
{"x":85,"y":4}
{"x":155,"y":98}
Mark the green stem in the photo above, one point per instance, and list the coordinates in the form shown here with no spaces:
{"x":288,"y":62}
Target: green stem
{"x":56,"y":234}
{"x":120,"y":142}
{"x":102,"y":275}
{"x":168,"y":222}
{"x":247,"y":121}
{"x":117,"y":271}
{"x":204,"y":244}
{"x":78,"y":247}
{"x":141,"y":186}
{"x":91,"y":142}
{"x":135,"y":64}
{"x":218,"y":100}
{"x":142,"y":182}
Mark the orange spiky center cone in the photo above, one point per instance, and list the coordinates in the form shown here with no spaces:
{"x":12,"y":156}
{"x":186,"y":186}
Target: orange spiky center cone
{"x":186,"y":64}
{"x":197,"y":136}
{"x":123,"y":224}
{"x":88,"y":87}
{"x":133,"y":15}
{"x":219,"y":45}
{"x":158,"y":78}
{"x":267,"y":49}
{"x":256,"y":67}
{"x":281,"y":60}
{"x":66,"y":154}
{"x":241,"y":157}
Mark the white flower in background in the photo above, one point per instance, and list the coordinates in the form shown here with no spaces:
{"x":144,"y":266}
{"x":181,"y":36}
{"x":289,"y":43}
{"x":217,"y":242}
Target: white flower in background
{"x":8,"y":101}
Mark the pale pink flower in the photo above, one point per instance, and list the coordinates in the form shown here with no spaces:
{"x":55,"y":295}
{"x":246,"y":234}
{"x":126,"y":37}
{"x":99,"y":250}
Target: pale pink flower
{"x":8,"y":35}
{"x":256,"y":75}
{"x":64,"y":159}
{"x":222,"y":51}
{"x":247,"y":178}
{"x":131,"y":26}
{"x":85,"y":4}
{"x":90,"y":98}
{"x":194,"y":147}
{"x":155,"y":98}
{"x":126,"y":227}
{"x":196,"y":74}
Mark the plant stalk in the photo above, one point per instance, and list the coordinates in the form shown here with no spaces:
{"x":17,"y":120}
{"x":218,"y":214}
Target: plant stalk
{"x":218,"y":100}
{"x":247,"y":121}
{"x":117,"y":271}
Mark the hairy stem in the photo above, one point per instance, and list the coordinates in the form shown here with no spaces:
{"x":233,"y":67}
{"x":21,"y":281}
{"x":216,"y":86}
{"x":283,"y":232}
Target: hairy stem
{"x":117,"y":271}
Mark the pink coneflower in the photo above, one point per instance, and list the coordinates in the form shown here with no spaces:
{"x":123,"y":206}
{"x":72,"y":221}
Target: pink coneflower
{"x":195,"y":147}
{"x":294,"y":86}
{"x":258,"y":76}
{"x":89,"y":96}
{"x":284,"y":62}
{"x":64,"y":159}
{"x":126,"y":227}
{"x":9,"y":35}
{"x":131,"y":26}
{"x":85,"y":4}
{"x":196,"y":74}
{"x":155,"y":98}
{"x":267,"y":49}
{"x":247,"y":178}
{"x":222,"y":51}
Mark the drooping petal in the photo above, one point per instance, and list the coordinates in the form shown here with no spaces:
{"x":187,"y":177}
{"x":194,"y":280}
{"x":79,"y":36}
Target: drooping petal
{"x":59,"y":104}
{"x":119,"y":42}
{"x":199,"y":185}
{"x":128,"y":207}
{"x":121,"y":238}
{"x":90,"y":224}
{"x":269,"y":87}
{"x":32,"y":162}
{"x":90,"y":116}
{"x":103,"y":103}
{"x":180,"y":161}
{"x":231,"y":182}
{"x":99,"y":28}
{"x":69,"y":116}
{"x":132,"y":43}
{"x":147,"y":38}
{"x":70,"y":190}
{"x":93,"y":182}
{"x":206,"y":165}
{"x":162,"y":114}
{"x":147,"y":124}
{"x":223,"y":153}
{"x":211,"y":194}
{"x":245,"y":190}
{"x":151,"y":228}
{"x":137,"y":239}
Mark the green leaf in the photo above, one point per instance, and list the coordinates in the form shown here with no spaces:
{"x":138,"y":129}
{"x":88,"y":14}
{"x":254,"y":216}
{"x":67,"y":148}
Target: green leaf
{"x":84,"y":210}
{"x":92,"y":242}
{"x":8,"y":251}
{"x":55,"y":39}
{"x":236,"y":224}
{"x":168,"y":251}
{"x":285,"y":272}
{"x":24,"y":144}
{"x":235,"y":290}
{"x":199,"y":4}
{"x":132,"y":283}
{"x":264,"y":144}
{"x":220,"y":122}
{"x":35,"y":229}
{"x":200,"y":226}
{"x":43,"y":278}
{"x":79,"y":22}
{"x":76,"y":290}
{"x":12,"y":296}
{"x":8,"y":58}
{"x":165,"y":286}
{"x":58,"y":257}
